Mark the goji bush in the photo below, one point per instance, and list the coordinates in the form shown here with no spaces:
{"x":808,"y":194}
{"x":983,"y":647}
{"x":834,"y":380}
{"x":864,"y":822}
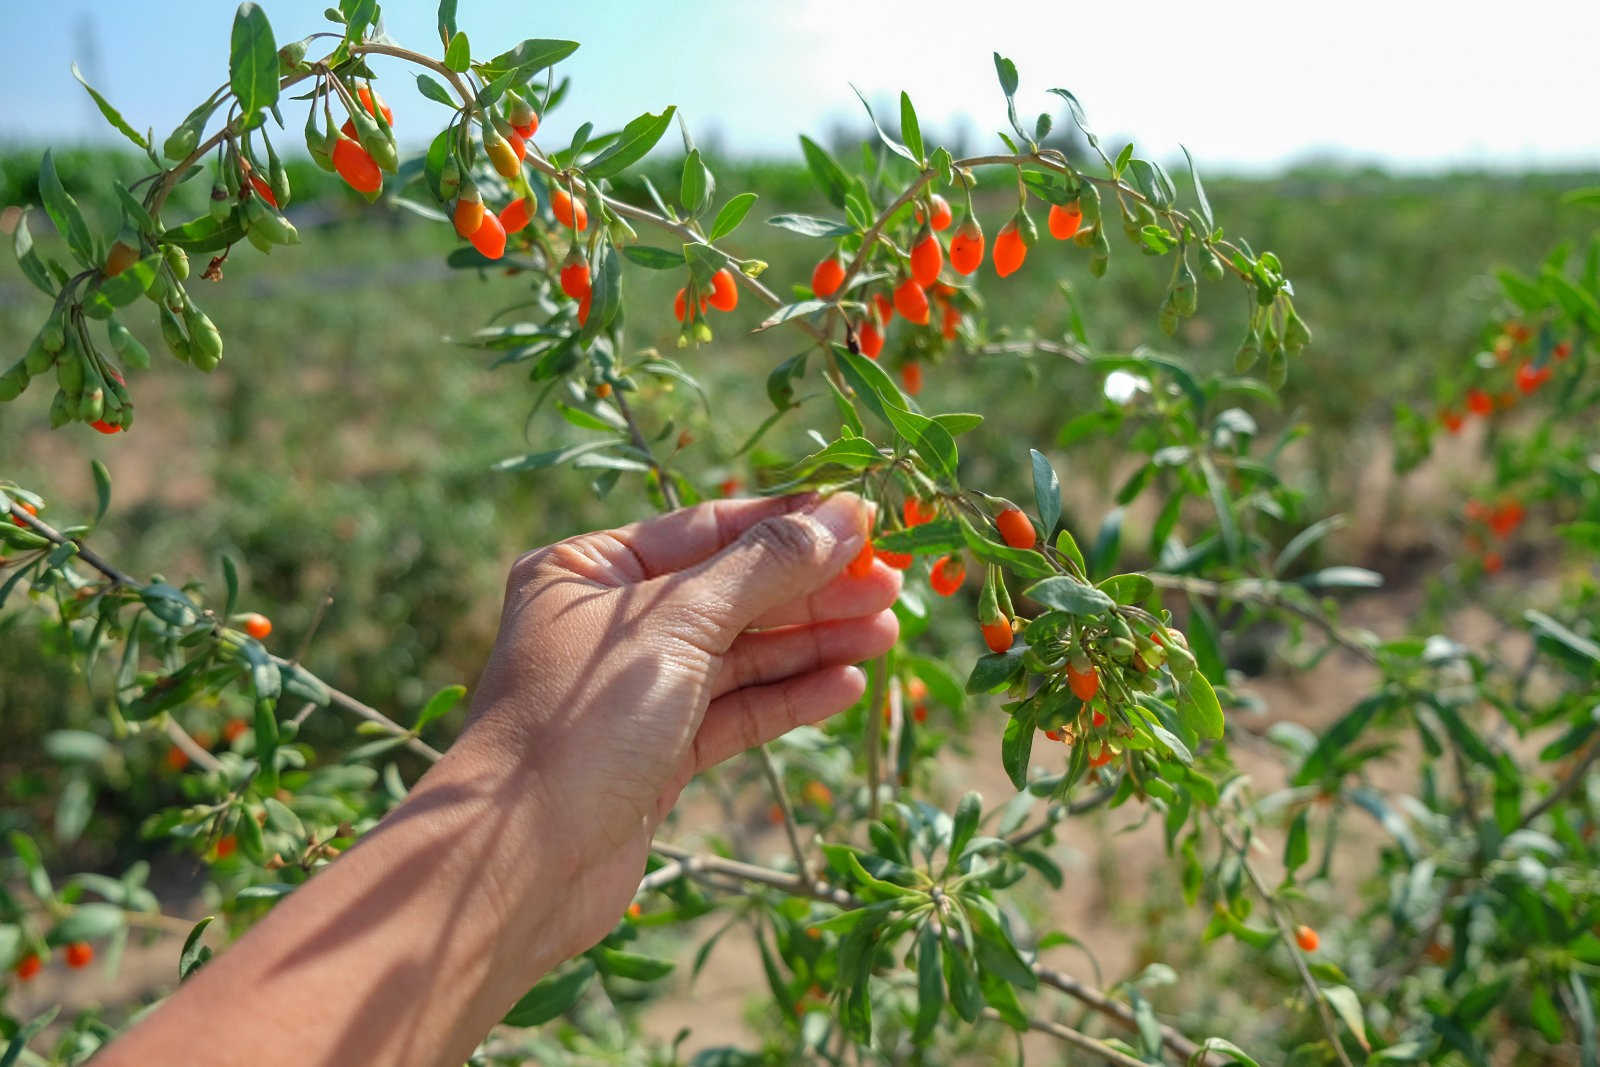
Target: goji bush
{"x":894,"y":930}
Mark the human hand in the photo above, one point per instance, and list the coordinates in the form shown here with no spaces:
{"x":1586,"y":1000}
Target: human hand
{"x":629,"y":660}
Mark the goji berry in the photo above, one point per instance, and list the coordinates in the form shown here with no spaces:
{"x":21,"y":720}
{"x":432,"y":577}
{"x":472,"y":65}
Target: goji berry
{"x":912,"y":301}
{"x":234,"y":729}
{"x":885,"y":307}
{"x":257,"y":625}
{"x":680,"y":306}
{"x":490,"y":237}
{"x":950,"y":323}
{"x":119,"y":258}
{"x":1518,"y":332}
{"x":569,"y":212}
{"x":634,"y":910}
{"x":575,"y":280}
{"x":948,"y":575}
{"x":79,"y":954}
{"x":998,"y":635}
{"x":1306,"y":938}
{"x":916,"y":690}
{"x":916,"y":513}
{"x":724,"y":293}
{"x":177,"y":758}
{"x":1451,"y":419}
{"x":263,"y":189}
{"x":898,"y":560}
{"x":356,"y":166}
{"x":1506,"y":518}
{"x":966,"y":247}
{"x":468,"y":214}
{"x":926,"y":258}
{"x":1492,"y":563}
{"x":861,"y":566}
{"x":1055,"y":735}
{"x":815,"y":792}
{"x":227,"y":844}
{"x":1015,"y":528}
{"x":602,"y":390}
{"x":826,"y":277}
{"x":518,"y":145}
{"x":919,"y":713}
{"x":583,"y":308}
{"x":1562,"y":350}
{"x":1479,"y":402}
{"x":941,"y":211}
{"x":869,"y":338}
{"x":106,"y":427}
{"x":1530,"y":377}
{"x":775,"y":815}
{"x":28,"y":966}
{"x":514,"y":216}
{"x":1102,"y":758}
{"x":501,"y":154}
{"x":1084,"y":684}
{"x":1009,"y":250}
{"x":1097,"y":719}
{"x":1064,"y":220}
{"x":728,"y":486}
{"x":911,"y":378}
{"x":366,"y":101}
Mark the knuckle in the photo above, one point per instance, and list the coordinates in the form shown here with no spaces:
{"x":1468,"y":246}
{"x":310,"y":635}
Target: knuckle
{"x":791,"y":539}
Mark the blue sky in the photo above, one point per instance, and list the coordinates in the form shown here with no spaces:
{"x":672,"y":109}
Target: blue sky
{"x":1246,"y":84}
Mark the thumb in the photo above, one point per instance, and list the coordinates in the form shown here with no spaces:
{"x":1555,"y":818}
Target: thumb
{"x":778,"y":560}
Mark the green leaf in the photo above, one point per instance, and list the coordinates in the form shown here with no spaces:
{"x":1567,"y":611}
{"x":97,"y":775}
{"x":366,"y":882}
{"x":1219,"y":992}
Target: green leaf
{"x":1546,"y":627}
{"x":1128,"y":588}
{"x":612,"y":961}
{"x":653,"y":258}
{"x":1297,"y":848}
{"x":112,"y":115}
{"x":697,"y":186}
{"x":63,"y":211}
{"x":964,"y":824}
{"x":1023,"y":562}
{"x":253,"y":60}
{"x":194,"y":953}
{"x":930,"y":984}
{"x":811,"y":226}
{"x":1007,"y":73}
{"x":554,"y":457}
{"x":941,"y":535}
{"x":447,"y":19}
{"x":605,"y":292}
{"x":889,"y":142}
{"x":995,"y":671}
{"x":431,"y":89}
{"x":552,"y":996}
{"x":636,"y":139}
{"x":25,"y":1034}
{"x":910,"y":128}
{"x":1305,"y":539}
{"x":1235,"y":1054}
{"x":931,"y":440}
{"x":993,"y":947}
{"x":1016,"y":746}
{"x":1222,"y":505}
{"x":796,"y":310}
{"x":1198,"y":707}
{"x":1347,"y":1005}
{"x":87,"y":922}
{"x":963,"y":984}
{"x":439,"y":704}
{"x":102,"y":488}
{"x":1046,"y":493}
{"x":830,"y":176}
{"x":76,"y":746}
{"x":458,"y":54}
{"x":1065,"y":593}
{"x":1204,"y":209}
{"x":529,"y":58}
{"x":1343,"y":578}
{"x":731,"y":215}
{"x":1324,"y":757}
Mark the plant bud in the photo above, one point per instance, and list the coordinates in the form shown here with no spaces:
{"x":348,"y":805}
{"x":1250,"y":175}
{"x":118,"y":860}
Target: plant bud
{"x":69,"y":374}
{"x":221,"y":205}
{"x":203,"y":333}
{"x":91,"y":404}
{"x":378,"y":142}
{"x":178,"y":261}
{"x":38,"y":358}
{"x":172,"y":333}
{"x":13,"y":381}
{"x":60,"y":410}
{"x":127,"y":346}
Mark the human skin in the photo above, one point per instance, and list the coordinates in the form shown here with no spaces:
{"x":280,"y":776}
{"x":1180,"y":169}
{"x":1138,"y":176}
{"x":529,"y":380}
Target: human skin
{"x":627,"y":661}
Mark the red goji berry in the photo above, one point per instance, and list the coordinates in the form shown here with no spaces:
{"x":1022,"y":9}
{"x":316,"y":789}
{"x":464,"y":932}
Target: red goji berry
{"x":515,"y":215}
{"x":998,"y":635}
{"x":569,"y":212}
{"x":234,"y":729}
{"x":177,"y":758}
{"x":1479,"y":402}
{"x":916,"y":513}
{"x":728,"y":486}
{"x":1009,"y":250}
{"x":583,"y":308}
{"x":948,"y":575}
{"x":724,"y":293}
{"x":119,"y":258}
{"x":1084,"y":684}
{"x":356,"y":166}
{"x":1016,"y":528}
{"x":490,"y":237}
{"x":1064,"y":220}
{"x":869,"y":338}
{"x":106,"y":427}
{"x":1530,"y":377}
{"x":926,"y":258}
{"x":366,"y":101}
{"x":1492,"y":563}
{"x":885,"y":307}
{"x":263,"y":189}
{"x":79,"y":954}
{"x":911,"y":378}
{"x":912,"y":301}
{"x":1055,"y":735}
{"x":966,"y":247}
{"x":941,"y":211}
{"x":227,"y":844}
{"x":257,"y":625}
{"x":1562,"y":350}
{"x":826,"y":277}
{"x":1451,"y":419}
{"x":1098,"y":718}
{"x":861,"y":566}
{"x":950,"y":323}
{"x":575,"y":280}
{"x":898,"y":560}
{"x":28,"y":966}
{"x":1105,"y":757}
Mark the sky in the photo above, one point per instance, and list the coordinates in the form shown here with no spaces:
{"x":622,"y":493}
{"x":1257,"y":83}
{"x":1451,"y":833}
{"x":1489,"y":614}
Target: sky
{"x":1247,"y":85}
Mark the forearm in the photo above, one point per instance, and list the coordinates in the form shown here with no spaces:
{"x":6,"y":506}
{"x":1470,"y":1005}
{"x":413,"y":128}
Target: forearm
{"x":404,"y":951}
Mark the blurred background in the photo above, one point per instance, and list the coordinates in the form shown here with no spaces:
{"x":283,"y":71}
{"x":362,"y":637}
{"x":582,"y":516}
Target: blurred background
{"x":1393,"y":155}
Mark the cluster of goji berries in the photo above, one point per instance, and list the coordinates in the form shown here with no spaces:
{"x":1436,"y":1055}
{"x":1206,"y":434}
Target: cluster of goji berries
{"x":690,"y":303}
{"x":76,"y":954}
{"x":1530,"y":373}
{"x":1492,"y":523}
{"x":917,"y":289}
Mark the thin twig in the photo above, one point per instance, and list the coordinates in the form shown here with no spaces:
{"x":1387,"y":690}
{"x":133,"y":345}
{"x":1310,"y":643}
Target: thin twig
{"x":880,"y":671}
{"x":1267,"y":594}
{"x":1076,"y":1038}
{"x":769,"y":767}
{"x":188,"y":745}
{"x":1565,"y":786}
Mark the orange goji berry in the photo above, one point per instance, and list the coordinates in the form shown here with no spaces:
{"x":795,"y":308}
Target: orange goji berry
{"x":515,"y":215}
{"x":912,"y":301}
{"x":950,"y":323}
{"x":1084,"y":684}
{"x":998,"y":635}
{"x":680,"y":306}
{"x":826,"y":277}
{"x":898,"y":560}
{"x":1493,"y":563}
{"x":1016,"y":528}
{"x":490,"y":237}
{"x":1479,"y":402}
{"x":917,"y":513}
{"x":257,"y":625}
{"x":1104,"y":757}
{"x":569,"y":212}
{"x":926,"y":258}
{"x":1009,"y":250}
{"x":814,"y":792}
{"x":356,"y":166}
{"x":263,"y":190}
{"x":861,"y":566}
{"x":916,"y":690}
{"x":966,"y":247}
{"x":948,"y":575}
{"x":634,"y":910}
{"x":724,"y":293}
{"x":602,"y":390}
{"x":227,"y":844}
{"x":366,"y":101}
{"x":177,"y":758}
{"x":583,"y":308}
{"x":885,"y":307}
{"x":1530,"y":377}
{"x":1306,"y":938}
{"x":575,"y":280}
{"x":233,"y":729}
{"x":106,"y":427}
{"x":1064,"y":220}
{"x":468,"y":215}
{"x":911,"y":378}
{"x":869,"y":338}
{"x":941,"y":212}
{"x":1451,"y":420}
{"x":79,"y":954}
{"x":28,"y":966}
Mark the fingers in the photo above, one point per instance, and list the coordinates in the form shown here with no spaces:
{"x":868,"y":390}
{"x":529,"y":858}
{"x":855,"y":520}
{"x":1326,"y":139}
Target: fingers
{"x":775,"y":561}
{"x":754,"y":715}
{"x":844,"y":597}
{"x":771,"y":656}
{"x":690,"y":535}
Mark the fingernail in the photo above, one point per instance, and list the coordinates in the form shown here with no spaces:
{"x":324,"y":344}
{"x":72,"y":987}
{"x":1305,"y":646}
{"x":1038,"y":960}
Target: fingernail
{"x":845,"y":517}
